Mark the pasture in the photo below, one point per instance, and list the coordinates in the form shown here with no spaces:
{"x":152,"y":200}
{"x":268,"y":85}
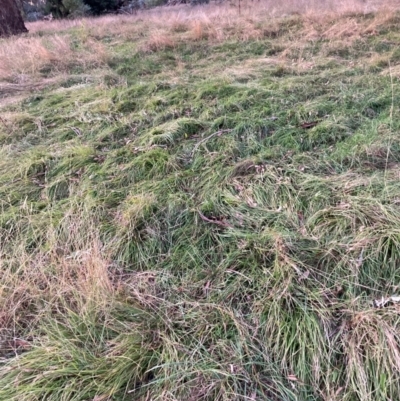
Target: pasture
{"x":202,"y":204}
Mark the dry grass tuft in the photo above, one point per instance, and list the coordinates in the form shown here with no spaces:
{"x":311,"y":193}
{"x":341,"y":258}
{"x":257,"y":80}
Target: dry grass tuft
{"x":73,"y":273}
{"x":199,"y":30}
{"x":22,"y":58}
{"x":158,"y":40}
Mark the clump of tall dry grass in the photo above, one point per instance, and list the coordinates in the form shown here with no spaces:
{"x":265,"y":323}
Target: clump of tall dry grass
{"x":31,"y":55}
{"x":73,"y":265}
{"x":26,"y":55}
{"x":158,"y":40}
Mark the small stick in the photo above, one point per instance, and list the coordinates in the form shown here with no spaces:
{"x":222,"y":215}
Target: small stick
{"x":222,"y":131}
{"x":218,"y":222}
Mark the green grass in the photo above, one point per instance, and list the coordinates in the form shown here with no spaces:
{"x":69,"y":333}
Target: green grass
{"x":171,"y":231}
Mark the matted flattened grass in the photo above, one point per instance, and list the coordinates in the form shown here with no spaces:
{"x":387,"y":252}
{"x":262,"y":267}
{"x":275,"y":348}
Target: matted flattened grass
{"x":214,"y":219}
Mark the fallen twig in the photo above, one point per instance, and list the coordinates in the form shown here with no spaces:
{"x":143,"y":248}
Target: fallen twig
{"x":218,"y":222}
{"x":218,"y":133}
{"x":311,"y":124}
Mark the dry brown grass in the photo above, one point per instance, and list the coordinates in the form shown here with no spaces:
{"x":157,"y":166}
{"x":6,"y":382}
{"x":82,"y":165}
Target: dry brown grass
{"x":49,"y":44}
{"x":158,"y":40}
{"x":73,"y":272}
{"x":223,"y":17}
{"x":23,"y":55}
{"x":22,"y":58}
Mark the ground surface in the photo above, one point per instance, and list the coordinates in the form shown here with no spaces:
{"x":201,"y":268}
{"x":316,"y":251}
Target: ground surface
{"x":201,"y":207}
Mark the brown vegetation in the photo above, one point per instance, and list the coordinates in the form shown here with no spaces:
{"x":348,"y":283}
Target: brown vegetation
{"x":167,"y":26}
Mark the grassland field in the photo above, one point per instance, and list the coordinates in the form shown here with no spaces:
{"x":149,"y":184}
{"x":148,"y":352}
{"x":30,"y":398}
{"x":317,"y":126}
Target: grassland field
{"x":201,"y":204}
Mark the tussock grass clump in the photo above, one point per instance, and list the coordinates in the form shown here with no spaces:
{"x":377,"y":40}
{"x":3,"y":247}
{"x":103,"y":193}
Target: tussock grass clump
{"x":202,"y":207}
{"x":27,"y":58}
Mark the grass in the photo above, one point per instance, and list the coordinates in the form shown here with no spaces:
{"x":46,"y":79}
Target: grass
{"x":201,"y":211}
